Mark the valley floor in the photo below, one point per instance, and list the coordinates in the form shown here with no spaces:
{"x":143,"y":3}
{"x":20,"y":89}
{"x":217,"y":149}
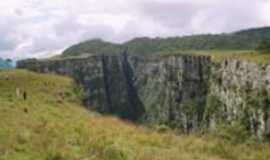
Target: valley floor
{"x":51,"y":124}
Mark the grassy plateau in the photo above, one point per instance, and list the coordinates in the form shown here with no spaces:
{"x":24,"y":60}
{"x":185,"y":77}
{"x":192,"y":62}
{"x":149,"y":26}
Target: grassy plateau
{"x":218,"y":56}
{"x":51,"y":124}
{"x":248,"y":55}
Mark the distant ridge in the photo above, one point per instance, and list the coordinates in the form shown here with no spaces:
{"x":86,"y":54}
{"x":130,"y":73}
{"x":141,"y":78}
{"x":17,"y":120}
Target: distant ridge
{"x":247,"y":39}
{"x":4,"y":64}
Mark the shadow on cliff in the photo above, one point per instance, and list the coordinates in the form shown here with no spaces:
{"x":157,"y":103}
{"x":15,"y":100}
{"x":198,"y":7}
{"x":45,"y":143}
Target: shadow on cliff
{"x":110,"y":87}
{"x":135,"y":109}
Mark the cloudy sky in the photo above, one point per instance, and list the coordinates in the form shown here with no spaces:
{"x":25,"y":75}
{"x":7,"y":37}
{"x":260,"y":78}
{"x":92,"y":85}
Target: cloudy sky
{"x":40,"y":28}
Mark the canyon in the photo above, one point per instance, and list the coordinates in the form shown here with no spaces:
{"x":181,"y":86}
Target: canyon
{"x":186,"y":92}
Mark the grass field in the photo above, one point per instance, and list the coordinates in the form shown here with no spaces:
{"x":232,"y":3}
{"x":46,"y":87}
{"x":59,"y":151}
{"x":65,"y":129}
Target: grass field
{"x":251,"y":56}
{"x":219,"y":56}
{"x":51,"y":124}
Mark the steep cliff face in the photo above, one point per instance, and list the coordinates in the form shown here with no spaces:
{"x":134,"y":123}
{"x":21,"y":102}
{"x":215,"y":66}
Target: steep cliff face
{"x":107,"y":82}
{"x":240,"y":93}
{"x":170,"y":90}
{"x":186,"y":92}
{"x":174,"y":90}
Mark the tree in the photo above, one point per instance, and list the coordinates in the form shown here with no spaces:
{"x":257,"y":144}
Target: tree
{"x":9,"y":61}
{"x":264,"y":46}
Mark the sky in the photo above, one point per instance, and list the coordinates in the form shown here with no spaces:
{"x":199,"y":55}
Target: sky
{"x":42,"y":28}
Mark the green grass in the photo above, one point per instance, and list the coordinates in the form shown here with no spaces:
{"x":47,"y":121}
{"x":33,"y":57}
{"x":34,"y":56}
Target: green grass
{"x":52,"y":125}
{"x":219,"y":56}
{"x":248,"y":55}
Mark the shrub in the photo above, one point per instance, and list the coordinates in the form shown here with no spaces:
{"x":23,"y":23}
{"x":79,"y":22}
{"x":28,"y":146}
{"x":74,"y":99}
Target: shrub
{"x":212,"y":106}
{"x":235,"y":133}
{"x":162,"y":128}
{"x":264,"y":46}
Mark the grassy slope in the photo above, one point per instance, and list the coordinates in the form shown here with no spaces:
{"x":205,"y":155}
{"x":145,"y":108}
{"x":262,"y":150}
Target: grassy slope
{"x":52,"y":125}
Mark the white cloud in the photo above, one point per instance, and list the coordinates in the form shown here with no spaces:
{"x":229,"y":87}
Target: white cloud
{"x":38,"y":28}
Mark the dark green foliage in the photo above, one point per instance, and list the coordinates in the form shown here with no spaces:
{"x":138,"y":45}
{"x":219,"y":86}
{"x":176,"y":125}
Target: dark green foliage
{"x":242,"y":40}
{"x":191,"y":109}
{"x":258,"y":99}
{"x":162,"y":128}
{"x":95,"y":46}
{"x":235,"y":133}
{"x":264,"y":46}
{"x":213,"y":104}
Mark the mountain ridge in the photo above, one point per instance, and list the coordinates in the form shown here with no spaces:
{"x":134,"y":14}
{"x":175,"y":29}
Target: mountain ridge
{"x":247,"y":39}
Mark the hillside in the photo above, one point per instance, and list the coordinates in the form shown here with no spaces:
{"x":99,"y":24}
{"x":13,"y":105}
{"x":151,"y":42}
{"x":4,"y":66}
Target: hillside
{"x":52,"y":125}
{"x":242,"y":40}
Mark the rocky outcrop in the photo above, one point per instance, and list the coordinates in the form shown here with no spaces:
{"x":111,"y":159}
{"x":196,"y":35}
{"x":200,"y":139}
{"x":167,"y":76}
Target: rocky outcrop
{"x":174,"y":90}
{"x":240,"y":93}
{"x":107,"y":81}
{"x":185,"y":92}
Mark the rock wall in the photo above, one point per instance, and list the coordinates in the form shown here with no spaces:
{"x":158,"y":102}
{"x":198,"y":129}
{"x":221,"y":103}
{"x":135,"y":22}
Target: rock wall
{"x":185,"y":92}
{"x":240,"y":93}
{"x":174,"y":90}
{"x":107,"y":81}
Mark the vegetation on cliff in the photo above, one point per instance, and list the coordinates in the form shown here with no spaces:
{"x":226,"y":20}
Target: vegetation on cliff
{"x":51,"y":124}
{"x":264,"y":46}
